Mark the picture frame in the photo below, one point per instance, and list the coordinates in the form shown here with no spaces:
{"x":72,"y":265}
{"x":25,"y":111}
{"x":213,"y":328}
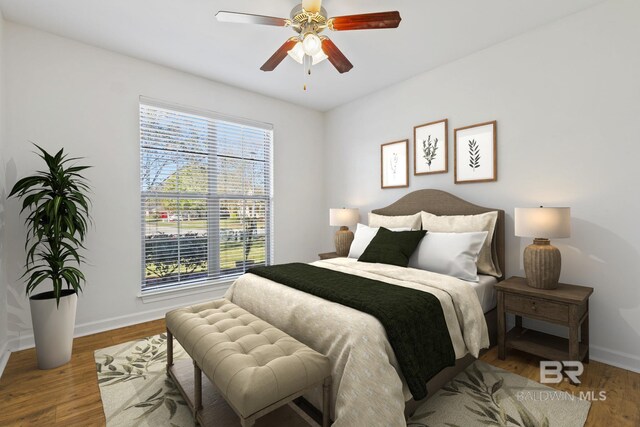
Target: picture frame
{"x":394,"y":164}
{"x":476,"y":153}
{"x":430,"y":148}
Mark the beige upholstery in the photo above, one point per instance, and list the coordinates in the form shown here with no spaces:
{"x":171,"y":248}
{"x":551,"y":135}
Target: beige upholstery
{"x":253,"y":364}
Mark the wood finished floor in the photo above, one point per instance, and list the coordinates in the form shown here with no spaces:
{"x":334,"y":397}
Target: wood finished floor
{"x":69,"y":395}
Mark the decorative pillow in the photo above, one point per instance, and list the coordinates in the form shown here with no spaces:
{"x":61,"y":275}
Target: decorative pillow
{"x":453,"y":254}
{"x":392,"y":247}
{"x":409,"y":221}
{"x":363,"y":237}
{"x":467,"y":223}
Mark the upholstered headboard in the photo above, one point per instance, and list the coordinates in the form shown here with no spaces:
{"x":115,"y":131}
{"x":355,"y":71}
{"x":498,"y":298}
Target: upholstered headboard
{"x":440,"y":202}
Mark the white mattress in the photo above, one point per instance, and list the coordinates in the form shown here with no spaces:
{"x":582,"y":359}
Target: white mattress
{"x":486,"y":292}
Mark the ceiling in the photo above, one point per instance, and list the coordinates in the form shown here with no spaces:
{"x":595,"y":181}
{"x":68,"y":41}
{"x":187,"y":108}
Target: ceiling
{"x":183,"y":34}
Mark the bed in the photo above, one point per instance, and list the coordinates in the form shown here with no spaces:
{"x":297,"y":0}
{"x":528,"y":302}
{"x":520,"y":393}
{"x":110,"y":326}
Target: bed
{"x":369,"y":388}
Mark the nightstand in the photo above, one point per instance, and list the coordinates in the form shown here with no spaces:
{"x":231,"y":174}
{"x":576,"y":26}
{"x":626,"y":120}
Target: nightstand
{"x":568,"y":305}
{"x":328,"y":255}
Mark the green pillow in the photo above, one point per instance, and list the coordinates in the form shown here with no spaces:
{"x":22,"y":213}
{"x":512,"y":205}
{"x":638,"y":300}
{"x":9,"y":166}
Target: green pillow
{"x":392,"y":247}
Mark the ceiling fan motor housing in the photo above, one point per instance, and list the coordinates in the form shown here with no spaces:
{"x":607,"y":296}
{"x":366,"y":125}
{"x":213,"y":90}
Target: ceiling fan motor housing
{"x":305,"y":22}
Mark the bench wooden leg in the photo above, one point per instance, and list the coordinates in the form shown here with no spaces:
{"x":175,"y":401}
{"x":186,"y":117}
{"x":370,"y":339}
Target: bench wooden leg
{"x":197,"y":390}
{"x":326,"y":402}
{"x":248,"y":422}
{"x":169,"y":350}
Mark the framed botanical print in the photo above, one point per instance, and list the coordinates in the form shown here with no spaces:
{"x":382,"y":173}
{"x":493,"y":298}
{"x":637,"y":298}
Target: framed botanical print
{"x":394,"y":164}
{"x":430,"y":148}
{"x":475,"y":153}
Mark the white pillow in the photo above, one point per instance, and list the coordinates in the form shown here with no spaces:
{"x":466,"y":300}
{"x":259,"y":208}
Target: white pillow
{"x":464,"y":224}
{"x":363,"y":236}
{"x":401,"y":221}
{"x":453,"y":254}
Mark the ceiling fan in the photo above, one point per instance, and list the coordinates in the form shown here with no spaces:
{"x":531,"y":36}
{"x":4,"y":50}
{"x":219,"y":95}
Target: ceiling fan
{"x":309,"y":20}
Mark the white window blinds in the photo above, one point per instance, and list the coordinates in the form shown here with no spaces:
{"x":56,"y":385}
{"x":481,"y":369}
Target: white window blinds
{"x":206,"y":195}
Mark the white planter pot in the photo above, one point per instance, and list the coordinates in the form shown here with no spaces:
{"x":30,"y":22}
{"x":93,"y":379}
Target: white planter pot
{"x":53,"y":327}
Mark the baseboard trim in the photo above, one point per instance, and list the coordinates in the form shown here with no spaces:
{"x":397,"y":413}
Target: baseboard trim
{"x":618,"y":359}
{"x":627,"y":361}
{"x":4,"y":357}
{"x":630,"y":362}
{"x":26,"y":341}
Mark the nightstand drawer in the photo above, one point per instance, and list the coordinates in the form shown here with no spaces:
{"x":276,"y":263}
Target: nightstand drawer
{"x":538,"y":308}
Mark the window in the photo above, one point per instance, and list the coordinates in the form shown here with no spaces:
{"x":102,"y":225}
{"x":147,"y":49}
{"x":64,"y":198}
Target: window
{"x":206,"y":195}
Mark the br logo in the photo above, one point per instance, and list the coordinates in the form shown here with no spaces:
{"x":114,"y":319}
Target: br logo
{"x":551,"y":372}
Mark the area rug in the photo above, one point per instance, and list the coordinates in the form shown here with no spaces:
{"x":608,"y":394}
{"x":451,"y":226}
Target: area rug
{"x":484,"y":395}
{"x":136,"y":391}
{"x":134,"y":386}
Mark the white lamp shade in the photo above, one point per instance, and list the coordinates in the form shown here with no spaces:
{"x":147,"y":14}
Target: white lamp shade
{"x":311,"y":44}
{"x":297,"y":53}
{"x":343,"y":217}
{"x":319,"y":57}
{"x":545,"y":223}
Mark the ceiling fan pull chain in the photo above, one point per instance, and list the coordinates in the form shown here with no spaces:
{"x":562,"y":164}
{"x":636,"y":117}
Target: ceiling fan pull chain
{"x":307,"y":65}
{"x":306,"y":70}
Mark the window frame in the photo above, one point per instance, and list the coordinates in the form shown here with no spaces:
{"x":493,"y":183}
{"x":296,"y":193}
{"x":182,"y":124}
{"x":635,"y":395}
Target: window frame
{"x":213,"y":201}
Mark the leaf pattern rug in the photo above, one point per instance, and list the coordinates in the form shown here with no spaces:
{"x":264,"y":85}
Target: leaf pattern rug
{"x":134,"y":386}
{"x":484,"y":395}
{"x":136,"y":391}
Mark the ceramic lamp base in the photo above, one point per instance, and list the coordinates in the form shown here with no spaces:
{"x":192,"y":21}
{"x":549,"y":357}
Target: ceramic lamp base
{"x":343,"y":240}
{"x":542,"y":263}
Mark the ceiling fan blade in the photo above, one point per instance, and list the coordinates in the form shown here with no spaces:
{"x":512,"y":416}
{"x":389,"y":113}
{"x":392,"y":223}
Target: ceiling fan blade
{"x":367,"y":21}
{"x":279,"y":56}
{"x":247,"y":18}
{"x":336,"y":57}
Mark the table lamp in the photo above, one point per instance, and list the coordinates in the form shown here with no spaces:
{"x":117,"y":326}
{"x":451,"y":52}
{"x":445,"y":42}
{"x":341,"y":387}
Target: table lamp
{"x":542,"y":261}
{"x":343,"y":218}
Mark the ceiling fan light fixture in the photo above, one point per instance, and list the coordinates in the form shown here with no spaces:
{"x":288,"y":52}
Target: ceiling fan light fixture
{"x":309,"y":20}
{"x":311,"y":44}
{"x":319,"y":57}
{"x":312,"y":6}
{"x":297,"y":53}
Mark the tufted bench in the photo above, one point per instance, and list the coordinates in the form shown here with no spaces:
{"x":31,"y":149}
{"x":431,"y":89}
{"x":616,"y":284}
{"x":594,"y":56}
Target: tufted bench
{"x":256,"y":367}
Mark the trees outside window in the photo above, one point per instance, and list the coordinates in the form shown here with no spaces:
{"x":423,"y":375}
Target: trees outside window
{"x":206,"y":195}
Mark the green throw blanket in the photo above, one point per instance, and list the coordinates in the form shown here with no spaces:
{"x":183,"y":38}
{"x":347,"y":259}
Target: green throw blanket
{"x":414,"y":321}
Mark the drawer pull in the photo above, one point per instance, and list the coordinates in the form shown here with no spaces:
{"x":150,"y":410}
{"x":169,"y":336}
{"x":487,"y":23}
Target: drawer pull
{"x":533,"y":306}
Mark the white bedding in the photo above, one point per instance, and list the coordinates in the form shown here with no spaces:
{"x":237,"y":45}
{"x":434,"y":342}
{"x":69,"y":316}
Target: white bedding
{"x":486,"y":291}
{"x":368,"y":388}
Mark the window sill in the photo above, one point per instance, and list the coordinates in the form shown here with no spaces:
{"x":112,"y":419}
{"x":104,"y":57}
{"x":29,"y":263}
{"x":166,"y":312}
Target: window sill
{"x":156,"y":295}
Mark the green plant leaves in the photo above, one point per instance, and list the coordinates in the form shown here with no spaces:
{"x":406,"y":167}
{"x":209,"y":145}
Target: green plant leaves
{"x":56,"y":224}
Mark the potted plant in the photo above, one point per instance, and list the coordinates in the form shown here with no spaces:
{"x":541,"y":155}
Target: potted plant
{"x":56,"y":228}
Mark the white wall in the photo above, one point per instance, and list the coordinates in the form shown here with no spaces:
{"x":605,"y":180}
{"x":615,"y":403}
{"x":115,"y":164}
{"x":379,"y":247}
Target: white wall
{"x":3,"y":191}
{"x":61,"y":93}
{"x":565,"y":97}
{"x":566,"y":101}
